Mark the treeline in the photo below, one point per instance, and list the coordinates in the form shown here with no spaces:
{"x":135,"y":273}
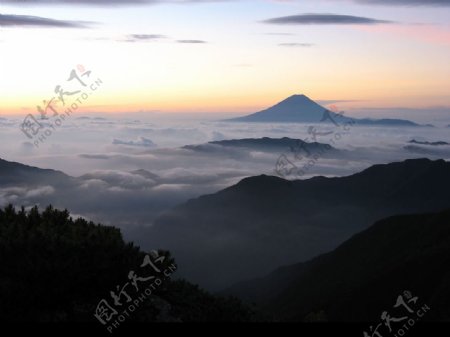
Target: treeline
{"x":55,"y":268}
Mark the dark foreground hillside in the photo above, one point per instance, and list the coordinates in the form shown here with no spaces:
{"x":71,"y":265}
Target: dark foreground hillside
{"x":54,"y":268}
{"x":364,"y":276}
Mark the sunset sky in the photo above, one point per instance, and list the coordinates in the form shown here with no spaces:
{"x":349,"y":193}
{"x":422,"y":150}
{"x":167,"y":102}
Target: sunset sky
{"x":226,"y":56}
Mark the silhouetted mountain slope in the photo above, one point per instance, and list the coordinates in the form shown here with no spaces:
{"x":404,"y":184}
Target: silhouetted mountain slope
{"x":13,"y":174}
{"x":263,"y":222}
{"x":54,"y":268}
{"x":389,"y":122}
{"x":301,"y":109}
{"x":114,"y":196}
{"x":292,"y":109}
{"x":364,"y":276}
{"x":425,"y":150}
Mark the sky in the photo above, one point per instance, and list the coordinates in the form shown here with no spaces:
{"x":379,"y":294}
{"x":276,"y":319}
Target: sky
{"x":223,"y":56}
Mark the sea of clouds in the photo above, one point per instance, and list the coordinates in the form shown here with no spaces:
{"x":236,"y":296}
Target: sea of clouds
{"x":128,"y":170}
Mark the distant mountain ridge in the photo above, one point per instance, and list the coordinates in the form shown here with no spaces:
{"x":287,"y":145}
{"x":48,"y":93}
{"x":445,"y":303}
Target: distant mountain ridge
{"x":301,"y":109}
{"x":265,"y":144}
{"x":439,"y":143}
{"x":265,"y":221}
{"x":12,"y":173}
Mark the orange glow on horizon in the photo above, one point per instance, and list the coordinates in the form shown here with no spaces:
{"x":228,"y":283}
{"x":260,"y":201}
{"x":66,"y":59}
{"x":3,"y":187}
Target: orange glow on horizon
{"x":227,"y":104}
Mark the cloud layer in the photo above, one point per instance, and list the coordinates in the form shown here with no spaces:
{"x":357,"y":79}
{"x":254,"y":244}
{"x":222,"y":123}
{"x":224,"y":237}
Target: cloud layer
{"x":191,"y":41}
{"x":107,"y":2}
{"x":151,"y":2}
{"x":324,"y":19}
{"x":304,"y":45}
{"x":10,"y":20}
{"x":406,"y":2}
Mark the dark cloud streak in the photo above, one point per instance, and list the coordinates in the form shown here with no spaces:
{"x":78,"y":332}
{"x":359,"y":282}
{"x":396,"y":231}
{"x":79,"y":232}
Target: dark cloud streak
{"x":324,"y":19}
{"x":192,"y":41}
{"x":143,"y":38}
{"x":147,"y":36}
{"x":10,"y":20}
